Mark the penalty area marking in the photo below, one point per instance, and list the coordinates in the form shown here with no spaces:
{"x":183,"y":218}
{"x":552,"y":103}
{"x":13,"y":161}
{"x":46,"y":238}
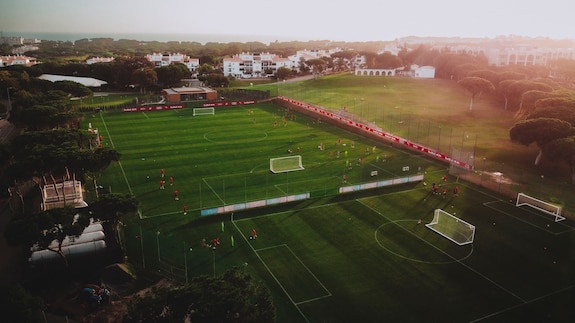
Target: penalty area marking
{"x":327,"y":292}
{"x":492,"y":205}
{"x":455,"y":260}
{"x":258,"y":166}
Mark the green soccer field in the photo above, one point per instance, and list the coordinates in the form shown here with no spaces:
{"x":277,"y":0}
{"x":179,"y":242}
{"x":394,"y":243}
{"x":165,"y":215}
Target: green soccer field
{"x":224,"y":159}
{"x":369,"y":259}
{"x":361,"y":257}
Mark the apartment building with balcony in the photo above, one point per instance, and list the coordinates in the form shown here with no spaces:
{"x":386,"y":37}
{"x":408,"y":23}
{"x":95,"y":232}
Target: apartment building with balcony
{"x":165,"y":59}
{"x":17,"y":60}
{"x":254,"y":65}
{"x":94,"y":60}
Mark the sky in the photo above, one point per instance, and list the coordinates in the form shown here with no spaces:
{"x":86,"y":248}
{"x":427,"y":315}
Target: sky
{"x":337,"y":20}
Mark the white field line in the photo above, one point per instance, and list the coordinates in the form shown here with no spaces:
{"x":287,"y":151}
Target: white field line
{"x":212,"y":189}
{"x":271,"y":273}
{"x":448,"y":255}
{"x":488,"y":204}
{"x":328,"y":293}
{"x":119,"y":162}
{"x":527,"y":302}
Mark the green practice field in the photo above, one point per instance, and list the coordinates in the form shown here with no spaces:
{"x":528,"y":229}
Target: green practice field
{"x":225,"y":158}
{"x":358,"y":257}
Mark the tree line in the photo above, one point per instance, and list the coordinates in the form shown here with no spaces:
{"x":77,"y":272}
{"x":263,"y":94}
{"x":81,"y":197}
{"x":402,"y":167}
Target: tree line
{"x":544,"y":106}
{"x":51,"y":143}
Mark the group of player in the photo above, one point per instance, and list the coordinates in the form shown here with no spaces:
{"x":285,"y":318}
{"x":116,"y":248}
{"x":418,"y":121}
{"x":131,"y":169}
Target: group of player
{"x":215,"y":242}
{"x":175,"y":192}
{"x":435,"y":189}
{"x":288,"y":115}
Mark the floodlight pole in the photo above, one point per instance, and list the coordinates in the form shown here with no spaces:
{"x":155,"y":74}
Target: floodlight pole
{"x":214,"y":261}
{"x":502,"y":164}
{"x":408,"y":126}
{"x":158,"y":244}
{"x":383,"y":116}
{"x":142,"y":247}
{"x":9,"y":101}
{"x":186,"y":260}
{"x":482,"y":171}
{"x":428,"y":130}
{"x":439,"y":140}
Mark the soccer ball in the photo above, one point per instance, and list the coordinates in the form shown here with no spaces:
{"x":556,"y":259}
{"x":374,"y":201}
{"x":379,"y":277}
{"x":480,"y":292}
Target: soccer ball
{"x":251,"y":238}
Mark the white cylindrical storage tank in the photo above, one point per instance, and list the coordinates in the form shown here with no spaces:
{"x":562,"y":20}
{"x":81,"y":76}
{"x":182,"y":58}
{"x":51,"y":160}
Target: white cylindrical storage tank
{"x":85,"y":237}
{"x":69,"y":251}
{"x":93,"y":227}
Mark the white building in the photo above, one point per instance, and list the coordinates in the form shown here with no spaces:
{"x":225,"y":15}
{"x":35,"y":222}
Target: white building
{"x":14,"y":40}
{"x":95,"y":60}
{"x":527,"y":56}
{"x":427,"y":72}
{"x":416,"y":71}
{"x":166,"y":59}
{"x":24,"y":48}
{"x":375,"y":71}
{"x":254,"y":65}
{"x":306,"y":55}
{"x":17,"y":60}
{"x":515,"y":54}
{"x":359,"y":61}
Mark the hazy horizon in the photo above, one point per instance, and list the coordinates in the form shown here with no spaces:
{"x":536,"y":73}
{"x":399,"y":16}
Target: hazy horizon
{"x":335,"y":20}
{"x":199,"y":38}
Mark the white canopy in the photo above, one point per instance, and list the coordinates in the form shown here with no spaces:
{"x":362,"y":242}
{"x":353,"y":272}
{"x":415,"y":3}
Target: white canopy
{"x":86,"y":81}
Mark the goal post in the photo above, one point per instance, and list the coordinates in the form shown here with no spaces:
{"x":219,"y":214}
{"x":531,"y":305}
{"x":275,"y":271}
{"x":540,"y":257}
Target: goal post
{"x":461,"y":162}
{"x":452,"y":227}
{"x":204,"y":111}
{"x":545,"y":207}
{"x":286,"y":164}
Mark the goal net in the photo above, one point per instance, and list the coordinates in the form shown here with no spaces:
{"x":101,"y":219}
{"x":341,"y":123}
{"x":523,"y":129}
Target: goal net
{"x":461,"y":163}
{"x":285,"y":164}
{"x":452,"y":227}
{"x":204,"y":111}
{"x":524,"y":199}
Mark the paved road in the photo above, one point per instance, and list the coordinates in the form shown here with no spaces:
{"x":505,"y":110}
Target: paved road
{"x":297,"y":79}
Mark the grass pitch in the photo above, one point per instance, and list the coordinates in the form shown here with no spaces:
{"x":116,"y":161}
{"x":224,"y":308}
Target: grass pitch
{"x":334,"y":258}
{"x":224,"y":159}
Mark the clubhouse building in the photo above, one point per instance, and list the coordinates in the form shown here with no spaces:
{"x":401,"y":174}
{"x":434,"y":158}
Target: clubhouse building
{"x":183,"y":94}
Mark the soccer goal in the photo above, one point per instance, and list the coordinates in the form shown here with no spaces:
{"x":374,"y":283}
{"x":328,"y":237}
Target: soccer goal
{"x":554,"y":210}
{"x":204,"y":111}
{"x":285,"y":164}
{"x":452,"y":227}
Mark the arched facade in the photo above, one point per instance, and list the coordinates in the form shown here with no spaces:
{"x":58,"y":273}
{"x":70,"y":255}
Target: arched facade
{"x":374,"y":72}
